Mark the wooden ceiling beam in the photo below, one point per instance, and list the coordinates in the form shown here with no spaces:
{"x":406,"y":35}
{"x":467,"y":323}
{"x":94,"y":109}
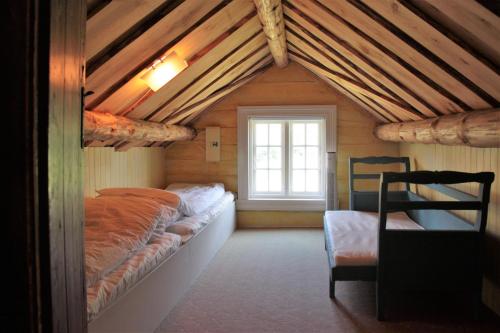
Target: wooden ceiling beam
{"x":396,"y":111}
{"x":204,"y":87}
{"x":104,"y":30}
{"x":469,"y":21}
{"x":403,"y":110}
{"x":271,"y":17}
{"x":134,"y":91}
{"x":200,"y":106}
{"x":232,"y":66}
{"x":356,"y":60}
{"x":395,"y":66}
{"x":476,"y":129}
{"x":457,"y":56}
{"x":137,"y":55}
{"x":430,"y":80}
{"x":375,"y":109}
{"x":250,"y":30}
{"x":105,"y":126}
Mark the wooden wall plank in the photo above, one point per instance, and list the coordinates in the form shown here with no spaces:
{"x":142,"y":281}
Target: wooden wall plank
{"x":138,"y":167}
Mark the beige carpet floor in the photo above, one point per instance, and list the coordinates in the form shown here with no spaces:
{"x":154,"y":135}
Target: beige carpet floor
{"x":277,"y":281}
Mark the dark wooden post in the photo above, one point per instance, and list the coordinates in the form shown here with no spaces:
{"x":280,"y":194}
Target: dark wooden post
{"x":43,"y":234}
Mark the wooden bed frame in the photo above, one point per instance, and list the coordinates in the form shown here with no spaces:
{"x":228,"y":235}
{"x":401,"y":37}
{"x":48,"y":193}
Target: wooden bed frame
{"x":143,"y":307}
{"x":446,"y":256}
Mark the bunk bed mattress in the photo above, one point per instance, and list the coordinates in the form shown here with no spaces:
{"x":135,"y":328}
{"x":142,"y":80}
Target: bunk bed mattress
{"x":353,"y":235}
{"x":189,"y":226}
{"x":116,"y":283}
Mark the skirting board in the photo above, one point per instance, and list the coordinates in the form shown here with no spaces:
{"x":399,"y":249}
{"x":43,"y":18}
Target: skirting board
{"x":144,"y":306}
{"x":279,"y":219}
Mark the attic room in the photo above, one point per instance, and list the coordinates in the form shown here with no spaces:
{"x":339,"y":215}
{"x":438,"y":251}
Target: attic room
{"x":252,"y":166}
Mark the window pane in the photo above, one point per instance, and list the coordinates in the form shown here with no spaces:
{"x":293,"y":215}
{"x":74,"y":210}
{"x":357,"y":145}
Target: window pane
{"x":312,"y":181}
{"x":261,"y":158}
{"x":298,"y":180}
{"x":261,"y":182}
{"x":275,"y":134}
{"x":274,"y":180}
{"x":299,"y":158}
{"x":312,"y":134}
{"x":261,"y":131}
{"x":275,"y":157}
{"x":298,"y":134}
{"x":312,"y":157}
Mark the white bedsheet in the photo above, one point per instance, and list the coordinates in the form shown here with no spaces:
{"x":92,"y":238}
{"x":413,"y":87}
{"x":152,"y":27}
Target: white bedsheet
{"x":105,"y":291}
{"x":354,"y":235}
{"x":196,"y":198}
{"x":189,"y":226}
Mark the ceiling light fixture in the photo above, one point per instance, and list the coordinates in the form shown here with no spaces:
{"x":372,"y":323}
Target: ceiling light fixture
{"x":164,"y":70}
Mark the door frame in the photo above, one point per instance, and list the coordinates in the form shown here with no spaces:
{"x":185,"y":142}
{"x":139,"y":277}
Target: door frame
{"x":44,"y":59}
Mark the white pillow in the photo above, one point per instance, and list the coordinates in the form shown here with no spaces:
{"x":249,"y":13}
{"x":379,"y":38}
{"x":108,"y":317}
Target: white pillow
{"x":196,"y":198}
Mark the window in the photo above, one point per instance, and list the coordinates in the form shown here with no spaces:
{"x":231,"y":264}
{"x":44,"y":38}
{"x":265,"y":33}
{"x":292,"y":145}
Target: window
{"x":281,"y":161}
{"x":285,"y":158}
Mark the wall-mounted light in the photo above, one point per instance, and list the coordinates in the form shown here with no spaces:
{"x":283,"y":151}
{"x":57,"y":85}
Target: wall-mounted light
{"x":164,"y":70}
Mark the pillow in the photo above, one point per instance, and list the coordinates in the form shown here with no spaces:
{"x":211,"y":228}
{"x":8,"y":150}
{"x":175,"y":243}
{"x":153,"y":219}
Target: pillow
{"x":168,"y":217}
{"x":164,"y":197}
{"x":116,"y":227}
{"x":196,"y":198}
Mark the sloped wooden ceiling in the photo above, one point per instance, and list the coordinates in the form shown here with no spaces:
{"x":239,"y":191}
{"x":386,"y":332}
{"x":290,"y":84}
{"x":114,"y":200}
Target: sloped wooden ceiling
{"x":400,"y":60}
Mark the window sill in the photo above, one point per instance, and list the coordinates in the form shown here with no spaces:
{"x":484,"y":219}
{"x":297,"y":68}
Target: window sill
{"x":282,"y":204}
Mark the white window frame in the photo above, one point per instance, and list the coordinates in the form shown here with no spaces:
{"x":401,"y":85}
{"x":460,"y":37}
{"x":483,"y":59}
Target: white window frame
{"x":248,"y":202}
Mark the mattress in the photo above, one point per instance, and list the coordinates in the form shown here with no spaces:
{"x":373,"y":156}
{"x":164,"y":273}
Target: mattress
{"x":189,"y":226}
{"x":354,"y":238}
{"x":105,"y":291}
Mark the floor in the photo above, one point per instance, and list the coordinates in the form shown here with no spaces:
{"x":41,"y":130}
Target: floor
{"x":277,"y":281}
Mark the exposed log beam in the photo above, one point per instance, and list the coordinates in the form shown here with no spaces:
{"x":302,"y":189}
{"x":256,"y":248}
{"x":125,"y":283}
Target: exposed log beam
{"x":104,"y":126}
{"x":271,"y":16}
{"x":476,"y":129}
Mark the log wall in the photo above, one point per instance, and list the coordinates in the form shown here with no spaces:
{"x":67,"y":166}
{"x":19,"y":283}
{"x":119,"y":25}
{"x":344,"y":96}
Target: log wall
{"x":468,"y":159}
{"x":292,"y":85}
{"x":138,"y":167}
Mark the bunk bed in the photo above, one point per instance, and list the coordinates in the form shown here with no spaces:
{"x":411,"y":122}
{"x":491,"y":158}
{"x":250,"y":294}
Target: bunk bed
{"x":405,"y":242}
{"x":137,"y":295}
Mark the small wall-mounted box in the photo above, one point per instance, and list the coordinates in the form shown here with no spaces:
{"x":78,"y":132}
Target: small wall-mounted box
{"x":212,"y":144}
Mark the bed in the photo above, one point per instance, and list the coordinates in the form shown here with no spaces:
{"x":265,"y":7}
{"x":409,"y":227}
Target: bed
{"x":138,"y":294}
{"x":405,"y":242}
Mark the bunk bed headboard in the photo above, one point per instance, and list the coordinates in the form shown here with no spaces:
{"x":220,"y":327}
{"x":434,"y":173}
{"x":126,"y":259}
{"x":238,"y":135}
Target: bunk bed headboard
{"x":434,"y":214}
{"x":368,"y":200}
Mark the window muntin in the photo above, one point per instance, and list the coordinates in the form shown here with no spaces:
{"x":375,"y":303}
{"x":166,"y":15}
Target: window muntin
{"x":286,"y":158}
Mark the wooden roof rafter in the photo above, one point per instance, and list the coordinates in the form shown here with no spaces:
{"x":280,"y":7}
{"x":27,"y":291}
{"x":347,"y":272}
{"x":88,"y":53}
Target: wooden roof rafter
{"x":356,"y":60}
{"x":401,"y":60}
